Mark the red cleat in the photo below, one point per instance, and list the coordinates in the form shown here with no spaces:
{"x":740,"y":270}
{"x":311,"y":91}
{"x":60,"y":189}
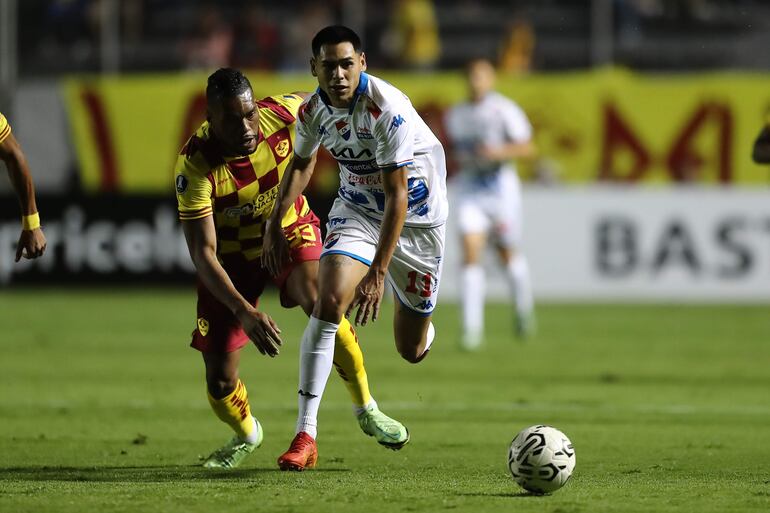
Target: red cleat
{"x":302,"y":453}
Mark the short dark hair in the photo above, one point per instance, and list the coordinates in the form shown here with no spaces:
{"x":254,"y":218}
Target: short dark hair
{"x":335,"y":34}
{"x":475,"y":61}
{"x":226,"y":83}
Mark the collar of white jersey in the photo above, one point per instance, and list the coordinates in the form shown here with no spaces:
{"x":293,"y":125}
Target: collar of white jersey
{"x":363,"y":83}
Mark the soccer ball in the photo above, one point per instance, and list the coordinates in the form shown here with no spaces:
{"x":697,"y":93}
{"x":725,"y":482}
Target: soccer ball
{"x":541,"y":459}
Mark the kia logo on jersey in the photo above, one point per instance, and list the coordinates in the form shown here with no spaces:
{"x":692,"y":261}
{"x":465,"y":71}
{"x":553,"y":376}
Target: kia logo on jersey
{"x":348,"y":153}
{"x":343,"y":128}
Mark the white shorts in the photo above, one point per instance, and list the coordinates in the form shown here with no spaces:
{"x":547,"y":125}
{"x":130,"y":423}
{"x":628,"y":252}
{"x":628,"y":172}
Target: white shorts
{"x":415,"y":269}
{"x":492,"y":206}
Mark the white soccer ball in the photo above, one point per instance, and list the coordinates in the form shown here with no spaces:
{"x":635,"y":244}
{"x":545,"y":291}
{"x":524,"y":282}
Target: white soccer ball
{"x":541,"y":459}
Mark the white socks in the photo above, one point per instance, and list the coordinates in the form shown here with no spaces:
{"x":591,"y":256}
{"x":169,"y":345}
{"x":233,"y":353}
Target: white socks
{"x":316,"y":354}
{"x":472,"y":302}
{"x":472,"y":298}
{"x":521,"y":287}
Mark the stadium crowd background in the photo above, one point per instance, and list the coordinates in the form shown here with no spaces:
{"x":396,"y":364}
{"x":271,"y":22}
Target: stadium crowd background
{"x":64,"y":36}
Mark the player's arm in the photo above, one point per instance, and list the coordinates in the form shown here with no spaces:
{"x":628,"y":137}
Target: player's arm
{"x":32,"y":242}
{"x":371,"y":288}
{"x":202,"y":242}
{"x":294,"y":182}
{"x":508,"y":151}
{"x":761,"y":151}
{"x":275,"y":247}
{"x":518,"y":135}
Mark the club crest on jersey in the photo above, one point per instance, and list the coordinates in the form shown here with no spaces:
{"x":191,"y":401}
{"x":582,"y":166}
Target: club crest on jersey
{"x":282,"y":148}
{"x":343,"y":128}
{"x":364,"y":133}
{"x":203,"y":326}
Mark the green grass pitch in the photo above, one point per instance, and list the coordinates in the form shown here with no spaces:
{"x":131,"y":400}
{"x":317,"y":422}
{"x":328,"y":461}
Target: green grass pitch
{"x":103,"y":408}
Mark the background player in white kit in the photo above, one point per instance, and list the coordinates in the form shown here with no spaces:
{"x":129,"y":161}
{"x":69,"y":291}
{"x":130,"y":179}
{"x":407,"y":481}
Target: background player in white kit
{"x":487,"y":132}
{"x":386,"y":224}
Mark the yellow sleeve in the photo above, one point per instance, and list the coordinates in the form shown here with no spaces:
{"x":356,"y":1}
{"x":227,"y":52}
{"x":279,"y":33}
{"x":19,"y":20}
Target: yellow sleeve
{"x":193,"y":188}
{"x":5,"y":128}
{"x":290,"y":101}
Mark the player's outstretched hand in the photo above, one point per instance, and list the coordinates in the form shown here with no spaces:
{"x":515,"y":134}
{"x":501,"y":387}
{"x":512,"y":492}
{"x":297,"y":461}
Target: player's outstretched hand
{"x":262,"y":330}
{"x":488,"y":154}
{"x":31,"y":244}
{"x":368,"y":297}
{"x":275,"y":248}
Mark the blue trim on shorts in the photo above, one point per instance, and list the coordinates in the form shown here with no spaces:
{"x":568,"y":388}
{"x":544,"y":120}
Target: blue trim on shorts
{"x":421,"y":313}
{"x":347,"y":253}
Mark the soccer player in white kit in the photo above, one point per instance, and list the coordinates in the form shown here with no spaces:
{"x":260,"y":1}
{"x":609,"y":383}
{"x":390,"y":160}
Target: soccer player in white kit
{"x":387,"y":223}
{"x":487,"y":132}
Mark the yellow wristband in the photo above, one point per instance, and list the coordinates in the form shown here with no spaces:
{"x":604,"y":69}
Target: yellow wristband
{"x":30,"y":222}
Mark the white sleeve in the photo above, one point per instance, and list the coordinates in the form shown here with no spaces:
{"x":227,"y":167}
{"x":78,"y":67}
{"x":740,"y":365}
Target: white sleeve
{"x":307,"y":139}
{"x":517,"y":126}
{"x":394,"y":133}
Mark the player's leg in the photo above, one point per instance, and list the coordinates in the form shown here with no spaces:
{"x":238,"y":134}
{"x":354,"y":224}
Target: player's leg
{"x":473,"y":289}
{"x":337,"y":278}
{"x":508,"y":231}
{"x":228,"y":396}
{"x":219,"y":337}
{"x":473,"y":225}
{"x":414,"y":274}
{"x":349,"y":248}
{"x":517,"y":273}
{"x":302,"y":288}
{"x":414,"y":333}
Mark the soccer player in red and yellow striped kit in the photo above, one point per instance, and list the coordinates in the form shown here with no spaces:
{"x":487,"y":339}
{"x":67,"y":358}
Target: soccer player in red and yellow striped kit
{"x":226,"y":179}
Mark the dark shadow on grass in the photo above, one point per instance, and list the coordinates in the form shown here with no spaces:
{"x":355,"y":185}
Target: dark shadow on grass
{"x":139,"y":474}
{"x":517,"y":495}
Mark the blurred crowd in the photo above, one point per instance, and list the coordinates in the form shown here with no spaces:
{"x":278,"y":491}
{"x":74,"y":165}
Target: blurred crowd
{"x":519,"y":35}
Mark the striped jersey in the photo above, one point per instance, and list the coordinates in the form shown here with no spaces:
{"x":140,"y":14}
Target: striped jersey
{"x":5,"y":128}
{"x":381,"y":129}
{"x":240,"y":191}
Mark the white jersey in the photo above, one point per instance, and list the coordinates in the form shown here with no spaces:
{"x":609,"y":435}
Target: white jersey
{"x":379,"y":130}
{"x":494,"y":120}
